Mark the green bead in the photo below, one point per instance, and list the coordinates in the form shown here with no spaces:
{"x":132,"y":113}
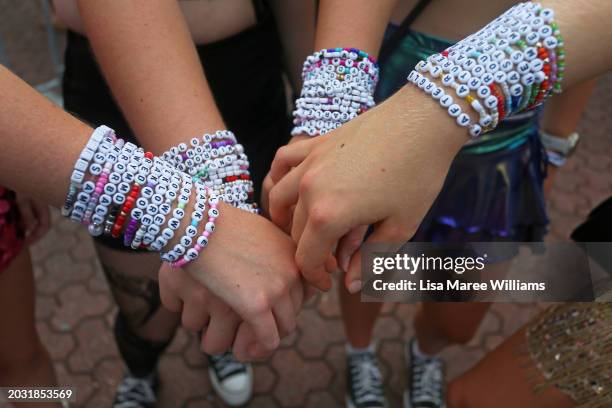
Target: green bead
{"x":181,"y":206}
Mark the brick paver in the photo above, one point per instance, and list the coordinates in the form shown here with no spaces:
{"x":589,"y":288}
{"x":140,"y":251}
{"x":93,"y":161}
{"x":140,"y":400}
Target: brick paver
{"x":75,"y":309}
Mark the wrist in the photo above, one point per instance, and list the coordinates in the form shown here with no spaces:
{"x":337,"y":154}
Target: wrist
{"x":411,"y":115}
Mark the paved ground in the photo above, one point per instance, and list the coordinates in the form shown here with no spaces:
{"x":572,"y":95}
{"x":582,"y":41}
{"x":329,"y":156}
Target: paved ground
{"x":75,"y":310}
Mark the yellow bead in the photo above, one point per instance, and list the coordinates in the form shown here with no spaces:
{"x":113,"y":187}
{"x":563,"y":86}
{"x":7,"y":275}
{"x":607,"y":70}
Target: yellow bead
{"x":469,"y":98}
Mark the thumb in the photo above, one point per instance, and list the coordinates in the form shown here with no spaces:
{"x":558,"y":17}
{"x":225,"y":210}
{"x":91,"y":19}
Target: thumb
{"x":393,"y":233}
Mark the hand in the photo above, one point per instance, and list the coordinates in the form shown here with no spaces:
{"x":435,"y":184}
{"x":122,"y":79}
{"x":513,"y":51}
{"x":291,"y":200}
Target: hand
{"x":249,"y":265}
{"x":384,"y":168}
{"x":35,"y":216}
{"x":268,"y":183}
{"x":202,"y":311}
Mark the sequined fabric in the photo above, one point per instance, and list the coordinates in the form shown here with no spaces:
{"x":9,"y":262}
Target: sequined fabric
{"x":571,"y":345}
{"x":11,"y":231}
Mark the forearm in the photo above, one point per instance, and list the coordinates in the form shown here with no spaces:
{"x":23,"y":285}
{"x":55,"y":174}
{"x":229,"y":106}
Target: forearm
{"x":584,"y":59}
{"x":356,"y":23}
{"x":562,"y":114}
{"x":296,"y":25}
{"x":150,"y":62}
{"x":40,"y":142}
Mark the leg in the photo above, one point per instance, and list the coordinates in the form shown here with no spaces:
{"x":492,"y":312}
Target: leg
{"x":364,"y":379}
{"x":143,"y":327}
{"x":504,"y":379}
{"x":24,"y":361}
{"x":441,"y":324}
{"x":359,"y":318}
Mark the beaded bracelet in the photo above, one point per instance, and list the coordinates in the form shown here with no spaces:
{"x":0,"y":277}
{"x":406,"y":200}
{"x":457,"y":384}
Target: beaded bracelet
{"x":202,"y":241}
{"x":510,"y":63}
{"x":338,"y":85}
{"x":81,"y":165}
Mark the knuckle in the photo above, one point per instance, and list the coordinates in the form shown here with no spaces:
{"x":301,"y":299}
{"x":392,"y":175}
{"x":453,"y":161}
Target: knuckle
{"x":258,"y":305}
{"x":189,"y":322}
{"x":321,"y":214}
{"x":281,"y":154}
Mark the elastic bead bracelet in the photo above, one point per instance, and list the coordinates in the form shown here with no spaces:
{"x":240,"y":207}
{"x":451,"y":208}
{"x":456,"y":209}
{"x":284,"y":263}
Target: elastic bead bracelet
{"x":446,"y":101}
{"x":202,"y":241}
{"x":170,"y":195}
{"x":139,"y":180}
{"x":175,"y":221}
{"x":187,"y":240}
{"x":81,"y":165}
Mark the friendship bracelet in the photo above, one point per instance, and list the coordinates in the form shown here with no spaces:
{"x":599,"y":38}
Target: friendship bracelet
{"x":81,"y":165}
{"x":512,"y":64}
{"x":339,"y":84}
{"x":202,"y":241}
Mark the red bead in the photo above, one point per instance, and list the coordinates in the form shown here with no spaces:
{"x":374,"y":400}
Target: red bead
{"x":149,"y":155}
{"x":445,"y":53}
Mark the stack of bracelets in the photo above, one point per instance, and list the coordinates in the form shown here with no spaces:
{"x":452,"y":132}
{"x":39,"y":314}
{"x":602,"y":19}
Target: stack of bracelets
{"x":339,"y":84}
{"x":119,"y":190}
{"x":512,"y":65}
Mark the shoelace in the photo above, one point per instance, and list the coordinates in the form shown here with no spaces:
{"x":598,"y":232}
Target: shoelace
{"x":367,"y":379}
{"x":427,"y":380}
{"x":133,"y":392}
{"x":226,"y":364}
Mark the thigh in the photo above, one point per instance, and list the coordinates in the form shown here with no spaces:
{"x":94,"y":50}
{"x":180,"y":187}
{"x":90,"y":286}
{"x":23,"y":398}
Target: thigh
{"x":17,"y":310}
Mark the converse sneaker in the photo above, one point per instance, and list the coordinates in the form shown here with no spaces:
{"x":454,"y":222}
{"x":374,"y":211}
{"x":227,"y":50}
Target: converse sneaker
{"x":231,"y":379}
{"x":364,"y":380}
{"x":136,"y":392}
{"x":426,"y":380}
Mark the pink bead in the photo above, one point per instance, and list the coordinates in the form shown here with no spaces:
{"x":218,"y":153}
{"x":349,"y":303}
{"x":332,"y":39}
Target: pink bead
{"x":211,"y":219}
{"x":198,"y":247}
{"x":98,"y":190}
{"x":206,"y":234}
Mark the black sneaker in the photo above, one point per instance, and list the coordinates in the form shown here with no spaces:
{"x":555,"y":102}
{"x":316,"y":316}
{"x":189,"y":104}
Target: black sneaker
{"x":364,"y":381}
{"x":136,"y":392}
{"x":426,"y":381}
{"x":231,"y":379}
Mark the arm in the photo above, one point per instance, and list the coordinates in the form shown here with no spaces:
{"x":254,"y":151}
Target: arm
{"x":355,"y":23}
{"x":561,"y":118}
{"x":387,"y":166}
{"x":296,"y":26}
{"x":40,"y":146}
{"x":150,"y":62}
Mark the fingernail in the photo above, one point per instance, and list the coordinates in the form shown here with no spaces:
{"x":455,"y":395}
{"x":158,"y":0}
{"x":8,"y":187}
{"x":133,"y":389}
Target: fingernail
{"x":354,"y":286}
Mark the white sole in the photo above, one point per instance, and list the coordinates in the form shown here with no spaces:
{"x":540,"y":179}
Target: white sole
{"x":349,"y":403}
{"x":233,"y":400}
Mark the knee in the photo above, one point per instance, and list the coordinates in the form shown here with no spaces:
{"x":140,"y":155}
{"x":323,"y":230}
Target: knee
{"x":457,"y":335}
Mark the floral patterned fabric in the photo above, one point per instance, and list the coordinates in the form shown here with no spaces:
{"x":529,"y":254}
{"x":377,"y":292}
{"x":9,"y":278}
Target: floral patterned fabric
{"x":11,"y":229}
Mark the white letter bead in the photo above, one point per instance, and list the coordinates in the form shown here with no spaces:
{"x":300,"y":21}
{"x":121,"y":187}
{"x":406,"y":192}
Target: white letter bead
{"x":186,"y":241}
{"x":178,"y":213}
{"x":454,"y":110}
{"x":463,"y":119}
{"x":202,"y":241}
{"x":168,"y":233}
{"x":210,"y":227}
{"x":475,"y":130}
{"x":191,"y":231}
{"x":446,"y":101}
{"x":191,"y":254}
